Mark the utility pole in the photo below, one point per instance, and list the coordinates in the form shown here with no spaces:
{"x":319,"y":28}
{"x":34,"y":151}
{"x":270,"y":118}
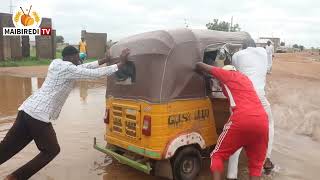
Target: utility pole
{"x":231,"y":24}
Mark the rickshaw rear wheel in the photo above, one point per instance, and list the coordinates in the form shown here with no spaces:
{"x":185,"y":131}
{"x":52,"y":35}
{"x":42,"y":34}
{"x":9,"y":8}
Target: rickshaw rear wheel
{"x":187,"y":164}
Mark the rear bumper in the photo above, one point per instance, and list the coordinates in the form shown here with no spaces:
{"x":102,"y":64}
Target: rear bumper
{"x":122,"y":159}
{"x":148,"y":153}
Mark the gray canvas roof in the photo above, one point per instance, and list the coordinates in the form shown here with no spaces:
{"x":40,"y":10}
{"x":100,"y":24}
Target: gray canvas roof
{"x":164,"y":62}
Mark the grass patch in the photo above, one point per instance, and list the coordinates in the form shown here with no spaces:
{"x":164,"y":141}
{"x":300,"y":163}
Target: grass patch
{"x":58,"y":54}
{"x":32,"y":61}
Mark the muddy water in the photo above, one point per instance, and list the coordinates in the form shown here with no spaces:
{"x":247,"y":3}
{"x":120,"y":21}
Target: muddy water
{"x":295,"y":101}
{"x":80,"y":120}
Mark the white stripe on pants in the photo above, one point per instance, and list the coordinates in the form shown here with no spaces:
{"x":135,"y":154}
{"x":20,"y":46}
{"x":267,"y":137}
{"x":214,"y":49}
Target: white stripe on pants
{"x":233,"y":160}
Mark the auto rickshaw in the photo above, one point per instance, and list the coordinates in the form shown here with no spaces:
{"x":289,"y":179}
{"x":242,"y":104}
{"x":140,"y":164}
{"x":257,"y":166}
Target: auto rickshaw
{"x":161,"y":116}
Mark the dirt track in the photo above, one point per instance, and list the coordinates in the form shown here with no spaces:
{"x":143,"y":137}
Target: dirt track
{"x":293,"y":91}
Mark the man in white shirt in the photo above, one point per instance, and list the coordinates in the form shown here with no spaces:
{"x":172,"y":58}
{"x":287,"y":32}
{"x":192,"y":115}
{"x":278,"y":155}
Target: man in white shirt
{"x":34,"y":118}
{"x":270,"y":52}
{"x":252,"y":61}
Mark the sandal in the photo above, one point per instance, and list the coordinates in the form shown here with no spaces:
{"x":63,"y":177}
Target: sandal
{"x":268,"y":166}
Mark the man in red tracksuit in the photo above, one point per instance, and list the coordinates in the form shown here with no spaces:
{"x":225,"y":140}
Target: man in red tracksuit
{"x":247,"y":126}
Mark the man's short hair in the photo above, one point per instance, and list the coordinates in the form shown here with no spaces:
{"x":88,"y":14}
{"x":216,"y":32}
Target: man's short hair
{"x":69,"y":51}
{"x":248,"y":43}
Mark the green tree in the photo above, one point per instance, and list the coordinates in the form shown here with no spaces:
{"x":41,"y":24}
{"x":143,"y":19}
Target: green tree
{"x":59,"y":39}
{"x":222,"y":26}
{"x":301,"y":47}
{"x":235,"y":28}
{"x":295,"y":46}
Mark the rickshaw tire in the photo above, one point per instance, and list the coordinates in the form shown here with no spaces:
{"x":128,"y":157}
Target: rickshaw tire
{"x":188,"y":153}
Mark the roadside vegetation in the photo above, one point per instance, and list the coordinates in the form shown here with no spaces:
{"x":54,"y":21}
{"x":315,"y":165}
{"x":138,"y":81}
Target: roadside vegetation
{"x":31,"y":61}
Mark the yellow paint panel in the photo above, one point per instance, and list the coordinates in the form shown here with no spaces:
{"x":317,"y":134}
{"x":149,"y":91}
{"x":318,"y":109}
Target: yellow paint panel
{"x":168,"y":121}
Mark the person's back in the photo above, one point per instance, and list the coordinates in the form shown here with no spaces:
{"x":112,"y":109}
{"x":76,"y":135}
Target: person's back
{"x":253,"y":63}
{"x":270,"y":49}
{"x":240,"y":91}
{"x":247,"y":126}
{"x":53,"y":92}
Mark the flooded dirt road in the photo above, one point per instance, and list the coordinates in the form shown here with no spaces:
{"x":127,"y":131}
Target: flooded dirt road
{"x":293,"y":90}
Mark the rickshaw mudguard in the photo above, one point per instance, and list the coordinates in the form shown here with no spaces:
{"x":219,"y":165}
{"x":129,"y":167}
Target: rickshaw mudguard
{"x":146,"y":168}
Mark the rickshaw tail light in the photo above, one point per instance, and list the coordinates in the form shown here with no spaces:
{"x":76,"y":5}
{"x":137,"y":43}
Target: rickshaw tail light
{"x":106,"y":117}
{"x":146,"y":129}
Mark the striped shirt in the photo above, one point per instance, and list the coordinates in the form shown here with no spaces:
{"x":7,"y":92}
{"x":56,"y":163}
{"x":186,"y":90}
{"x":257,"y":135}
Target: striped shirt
{"x":46,"y":103}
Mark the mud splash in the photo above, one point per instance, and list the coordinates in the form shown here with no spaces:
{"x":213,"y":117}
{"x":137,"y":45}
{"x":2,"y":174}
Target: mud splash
{"x":297,"y":111}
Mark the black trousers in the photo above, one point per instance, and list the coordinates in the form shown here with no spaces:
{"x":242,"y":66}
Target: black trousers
{"x":24,"y":130}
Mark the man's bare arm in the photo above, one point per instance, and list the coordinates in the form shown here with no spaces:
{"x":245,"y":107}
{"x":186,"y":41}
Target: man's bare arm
{"x":204,"y":68}
{"x":123,"y":58}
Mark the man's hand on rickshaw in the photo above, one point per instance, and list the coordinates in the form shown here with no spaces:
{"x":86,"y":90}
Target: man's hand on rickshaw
{"x":106,"y":59}
{"x":123,"y":57}
{"x":203,"y":68}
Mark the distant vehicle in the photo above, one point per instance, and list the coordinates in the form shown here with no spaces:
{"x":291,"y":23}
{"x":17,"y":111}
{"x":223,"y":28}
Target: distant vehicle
{"x":161,"y":116}
{"x":282,"y":49}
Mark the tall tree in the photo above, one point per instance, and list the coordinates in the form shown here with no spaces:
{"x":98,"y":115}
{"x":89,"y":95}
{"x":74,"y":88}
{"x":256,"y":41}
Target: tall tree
{"x":235,"y":28}
{"x":59,"y":39}
{"x":301,"y":47}
{"x":295,"y":46}
{"x":222,"y":26}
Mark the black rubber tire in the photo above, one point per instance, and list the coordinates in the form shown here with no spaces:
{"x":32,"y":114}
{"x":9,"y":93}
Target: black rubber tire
{"x":188,"y":155}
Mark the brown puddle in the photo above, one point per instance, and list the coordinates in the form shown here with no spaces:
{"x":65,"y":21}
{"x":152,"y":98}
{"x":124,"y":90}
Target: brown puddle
{"x":296,"y":149}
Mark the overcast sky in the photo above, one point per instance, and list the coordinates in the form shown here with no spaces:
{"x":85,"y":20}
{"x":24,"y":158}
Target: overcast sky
{"x":294,"y":21}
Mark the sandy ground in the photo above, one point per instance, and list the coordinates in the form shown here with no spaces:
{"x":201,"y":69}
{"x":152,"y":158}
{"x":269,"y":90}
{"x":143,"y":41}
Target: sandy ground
{"x":292,"y":88}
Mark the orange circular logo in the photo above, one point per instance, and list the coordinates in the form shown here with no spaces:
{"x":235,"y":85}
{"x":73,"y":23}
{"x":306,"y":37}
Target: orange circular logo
{"x":26,"y":16}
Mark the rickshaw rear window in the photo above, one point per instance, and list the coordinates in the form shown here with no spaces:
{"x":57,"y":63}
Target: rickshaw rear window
{"x":126,"y":75}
